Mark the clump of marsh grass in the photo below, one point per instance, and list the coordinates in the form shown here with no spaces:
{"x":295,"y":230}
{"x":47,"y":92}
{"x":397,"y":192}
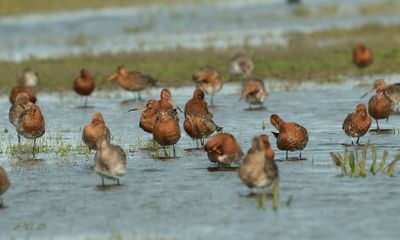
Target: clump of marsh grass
{"x":351,"y":165}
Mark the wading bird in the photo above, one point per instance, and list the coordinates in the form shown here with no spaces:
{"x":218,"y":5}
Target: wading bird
{"x":31,"y":124}
{"x":258,"y":170}
{"x":223,"y":149}
{"x":357,"y":124}
{"x":240,"y":65}
{"x":22,"y":89}
{"x":291,"y":136}
{"x":392,"y":91}
{"x":21,"y":105}
{"x":110,"y":161}
{"x":84,"y":85}
{"x":4,"y":183}
{"x":95,"y":131}
{"x":28,"y":78}
{"x":132,"y":81}
{"x":253,"y":91}
{"x":362,"y":56}
{"x":166,"y":130}
{"x":379,"y":107}
{"x":208,"y":80}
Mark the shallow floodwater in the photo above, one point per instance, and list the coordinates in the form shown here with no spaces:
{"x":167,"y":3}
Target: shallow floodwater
{"x":59,"y":197}
{"x":218,"y":24}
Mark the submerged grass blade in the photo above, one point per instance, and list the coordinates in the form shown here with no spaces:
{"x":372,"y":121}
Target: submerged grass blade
{"x":356,"y":168}
{"x":392,"y":166}
{"x":383,"y":161}
{"x":347,"y":162}
{"x":364,"y":160}
{"x":338,"y":160}
{"x":373,"y":156}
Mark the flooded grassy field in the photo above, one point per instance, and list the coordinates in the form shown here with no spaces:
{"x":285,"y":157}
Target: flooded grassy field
{"x":58,"y":195}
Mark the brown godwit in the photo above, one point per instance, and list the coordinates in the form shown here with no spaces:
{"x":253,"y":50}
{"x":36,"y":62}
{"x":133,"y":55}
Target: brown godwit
{"x":166,"y":130}
{"x":240,"y":65}
{"x":110,"y":160}
{"x":362,"y":56}
{"x":84,"y":85}
{"x":132,"y":81}
{"x":356,"y":124}
{"x":379,"y":107}
{"x":223,"y":149}
{"x":198,"y":122}
{"x":258,"y":170}
{"x":19,"y":89}
{"x":31,"y":124}
{"x":17,"y":109}
{"x":95,"y":131}
{"x":208,"y":80}
{"x":291,"y":136}
{"x":4,"y":183}
{"x":392,"y":91}
{"x":253,"y":91}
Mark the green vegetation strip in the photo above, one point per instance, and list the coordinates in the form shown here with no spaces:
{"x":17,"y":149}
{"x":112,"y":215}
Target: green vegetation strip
{"x":323,"y":56}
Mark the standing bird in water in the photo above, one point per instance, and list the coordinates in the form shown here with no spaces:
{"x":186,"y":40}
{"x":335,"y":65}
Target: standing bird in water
{"x":84,"y":85}
{"x":253,"y":91}
{"x":208,"y":80}
{"x":379,"y":107}
{"x":166,"y":130}
{"x":22,"y":89}
{"x":28,"y":78}
{"x":392,"y":91}
{"x":258,"y":169}
{"x":110,"y":161}
{"x":291,"y":136}
{"x":31,"y":124}
{"x":132,"y":81}
{"x":240,"y":65}
{"x":223,"y":149}
{"x":198,"y":122}
{"x":95,"y":131}
{"x":362,"y":56}
{"x":357,"y":124}
{"x":4,"y":183}
{"x":21,"y":105}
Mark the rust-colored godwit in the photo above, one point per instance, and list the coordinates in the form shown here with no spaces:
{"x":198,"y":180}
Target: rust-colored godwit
{"x":110,"y":161}
{"x":84,"y":85}
{"x":269,"y":152}
{"x":362,"y":56}
{"x":132,"y":81}
{"x":166,"y":130}
{"x":257,"y":170}
{"x":95,"y":131}
{"x":223,"y":149}
{"x":28,"y":78}
{"x":31,"y":124}
{"x":19,"y":89}
{"x":357,"y":124}
{"x":392,"y":91}
{"x":240,"y":65}
{"x":291,"y":136}
{"x":21,"y":105}
{"x":198,"y":122}
{"x":4,"y":183}
{"x":208,"y":80}
{"x":379,"y":107}
{"x":253,"y":91}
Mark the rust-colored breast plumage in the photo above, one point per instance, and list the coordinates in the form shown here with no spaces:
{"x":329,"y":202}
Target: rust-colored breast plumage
{"x":223,"y":148}
{"x":208,"y":80}
{"x":4,"y":181}
{"x":31,"y":126}
{"x":166,"y":129}
{"x":92,"y":134}
{"x":362,"y":58}
{"x":380,"y":107}
{"x":19,"y":89}
{"x":253,"y":91}
{"x":135,"y":81}
{"x":292,"y":137}
{"x":83,"y":86}
{"x":197,"y":108}
{"x":148,"y":120}
{"x":355,"y":125}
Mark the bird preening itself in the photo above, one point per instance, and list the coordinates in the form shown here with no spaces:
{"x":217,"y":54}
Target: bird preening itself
{"x":198,"y":122}
{"x":95,"y":132}
{"x":31,"y":124}
{"x":208,"y":80}
{"x":4,"y":183}
{"x":258,"y":169}
{"x":290,"y":136}
{"x":110,"y":160}
{"x":240,"y":65}
{"x":132,"y":81}
{"x":254,"y":92}
{"x":362,"y":56}
{"x":380,"y":107}
{"x":357,"y":124}
{"x":21,"y":105}
{"x":223,"y":149}
{"x":84,"y":85}
{"x":166,"y":130}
